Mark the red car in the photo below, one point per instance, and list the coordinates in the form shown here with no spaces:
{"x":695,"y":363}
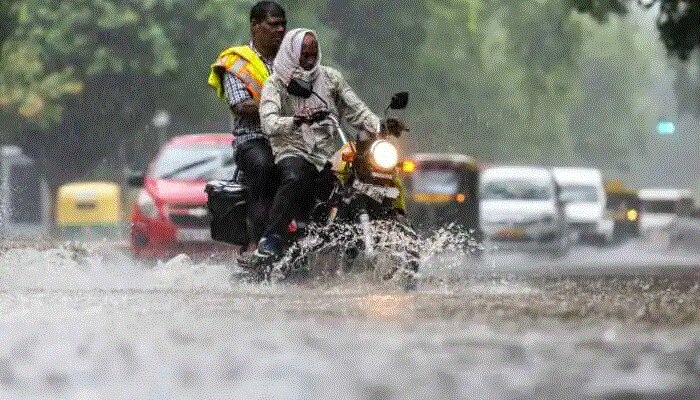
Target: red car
{"x":170,"y":216}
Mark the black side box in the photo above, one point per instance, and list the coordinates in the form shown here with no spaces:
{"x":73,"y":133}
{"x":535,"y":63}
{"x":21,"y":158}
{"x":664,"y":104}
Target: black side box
{"x":226,"y":202}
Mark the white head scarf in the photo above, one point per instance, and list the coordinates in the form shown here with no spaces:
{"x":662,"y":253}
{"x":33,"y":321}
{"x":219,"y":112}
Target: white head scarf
{"x":286,"y":67}
{"x":286,"y":63}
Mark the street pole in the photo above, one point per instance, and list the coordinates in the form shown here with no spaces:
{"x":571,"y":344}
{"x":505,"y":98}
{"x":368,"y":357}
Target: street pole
{"x":161,"y":121}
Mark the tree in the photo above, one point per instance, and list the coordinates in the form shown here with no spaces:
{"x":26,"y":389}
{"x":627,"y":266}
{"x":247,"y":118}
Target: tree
{"x":679,"y":25}
{"x":82,"y":78}
{"x":494,"y":78}
{"x":501,"y":80}
{"x":8,"y":17}
{"x":677,"y":20}
{"x":614,"y":116}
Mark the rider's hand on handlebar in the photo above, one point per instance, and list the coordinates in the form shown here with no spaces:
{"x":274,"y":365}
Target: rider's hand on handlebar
{"x":394,"y":127}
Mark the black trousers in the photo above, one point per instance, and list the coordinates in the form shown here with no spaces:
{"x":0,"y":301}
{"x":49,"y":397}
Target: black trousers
{"x":300,"y":184}
{"x":257,"y":163}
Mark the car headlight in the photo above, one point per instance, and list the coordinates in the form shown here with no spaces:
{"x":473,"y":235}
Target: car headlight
{"x":384,"y":154}
{"x":147,"y":205}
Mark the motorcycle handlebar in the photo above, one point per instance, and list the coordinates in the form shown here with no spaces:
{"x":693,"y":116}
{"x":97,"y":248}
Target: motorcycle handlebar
{"x":325,"y":115}
{"x":341,"y":132}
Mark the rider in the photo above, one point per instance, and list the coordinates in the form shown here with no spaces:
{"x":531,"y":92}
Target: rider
{"x":301,"y":145}
{"x":238,"y":76}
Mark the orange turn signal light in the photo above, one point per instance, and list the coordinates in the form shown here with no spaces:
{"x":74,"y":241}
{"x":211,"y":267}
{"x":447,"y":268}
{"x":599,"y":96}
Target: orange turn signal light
{"x":408,"y":166}
{"x":460,"y":198}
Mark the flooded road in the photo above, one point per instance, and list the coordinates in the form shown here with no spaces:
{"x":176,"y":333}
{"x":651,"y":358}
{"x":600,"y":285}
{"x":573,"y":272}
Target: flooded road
{"x":82,"y":323}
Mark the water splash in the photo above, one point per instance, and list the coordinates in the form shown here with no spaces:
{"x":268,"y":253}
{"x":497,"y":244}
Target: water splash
{"x":88,"y":266}
{"x":400,"y":242}
{"x":49,"y":266}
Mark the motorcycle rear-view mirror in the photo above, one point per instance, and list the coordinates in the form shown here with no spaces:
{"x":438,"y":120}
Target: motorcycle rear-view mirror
{"x":300,"y":88}
{"x":399,"y":101}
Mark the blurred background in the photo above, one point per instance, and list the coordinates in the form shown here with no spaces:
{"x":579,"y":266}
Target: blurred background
{"x":91,"y":89}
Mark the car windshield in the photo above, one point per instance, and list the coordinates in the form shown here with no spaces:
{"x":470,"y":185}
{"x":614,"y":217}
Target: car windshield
{"x":617,"y":202}
{"x":659,"y":206}
{"x":192,"y":162}
{"x":579,"y":194}
{"x":516,"y":190}
{"x":439,"y":181}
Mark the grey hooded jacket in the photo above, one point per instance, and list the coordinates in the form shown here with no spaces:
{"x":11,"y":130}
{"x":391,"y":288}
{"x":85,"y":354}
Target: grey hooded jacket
{"x":317,"y":142}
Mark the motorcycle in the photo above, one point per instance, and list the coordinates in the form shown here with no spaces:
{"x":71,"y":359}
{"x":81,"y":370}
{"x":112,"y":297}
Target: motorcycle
{"x":361,"y":225}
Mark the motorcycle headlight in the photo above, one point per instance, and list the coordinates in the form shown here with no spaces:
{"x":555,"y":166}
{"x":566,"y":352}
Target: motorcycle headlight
{"x":147,"y":205}
{"x":384,"y":154}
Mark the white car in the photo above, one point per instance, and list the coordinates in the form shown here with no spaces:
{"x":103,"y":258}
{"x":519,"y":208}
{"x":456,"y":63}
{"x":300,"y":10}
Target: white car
{"x":583,"y":193}
{"x":520,"y":209}
{"x":663,"y":213}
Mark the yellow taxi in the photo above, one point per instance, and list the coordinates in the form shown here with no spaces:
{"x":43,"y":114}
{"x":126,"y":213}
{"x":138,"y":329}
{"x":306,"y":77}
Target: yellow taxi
{"x":624,"y":205}
{"x":89,"y":210}
{"x":442,"y":189}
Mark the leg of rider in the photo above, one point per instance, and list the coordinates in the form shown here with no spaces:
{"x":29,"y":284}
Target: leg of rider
{"x":257,"y":163}
{"x":323,"y":187}
{"x":297,"y":177}
{"x":306,"y":201}
{"x":325,"y":184}
{"x":317,"y":191}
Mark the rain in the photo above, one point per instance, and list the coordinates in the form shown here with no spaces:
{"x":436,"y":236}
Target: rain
{"x":530,"y":228}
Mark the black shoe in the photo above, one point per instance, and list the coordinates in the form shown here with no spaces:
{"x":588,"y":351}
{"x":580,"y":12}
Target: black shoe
{"x":269,"y":250}
{"x":243,"y":259}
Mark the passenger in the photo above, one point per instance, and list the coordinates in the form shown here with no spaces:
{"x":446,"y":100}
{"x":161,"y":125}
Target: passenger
{"x":303,"y":147}
{"x":238,"y":76}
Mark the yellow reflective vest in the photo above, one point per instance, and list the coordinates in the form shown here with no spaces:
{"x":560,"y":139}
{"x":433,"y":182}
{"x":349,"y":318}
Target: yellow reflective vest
{"x":243,"y":62}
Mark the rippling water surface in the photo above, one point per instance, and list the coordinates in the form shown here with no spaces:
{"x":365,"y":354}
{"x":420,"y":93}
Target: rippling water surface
{"x":79,"y":321}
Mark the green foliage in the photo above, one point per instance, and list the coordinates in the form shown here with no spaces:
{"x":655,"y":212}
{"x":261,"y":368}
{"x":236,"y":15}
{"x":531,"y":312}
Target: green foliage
{"x":30,"y":89}
{"x":600,"y":10}
{"x":616,"y":110}
{"x":495,"y":81}
{"x":679,"y":25}
{"x":57,"y":46}
{"x":678,"y":20}
{"x":9,"y":20}
{"x":89,"y":74}
{"x":539,"y":81}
